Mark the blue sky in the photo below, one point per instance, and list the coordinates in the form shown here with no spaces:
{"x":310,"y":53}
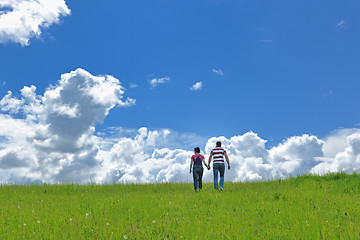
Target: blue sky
{"x":289,"y":67}
{"x":276,"y":68}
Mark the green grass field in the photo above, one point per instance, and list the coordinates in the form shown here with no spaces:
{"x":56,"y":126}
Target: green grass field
{"x":305,"y":207}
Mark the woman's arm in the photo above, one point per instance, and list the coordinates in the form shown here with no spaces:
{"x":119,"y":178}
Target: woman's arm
{"x":210,"y":156}
{"x":208,"y":165}
{"x":191,"y":164}
{"x":203,"y":160}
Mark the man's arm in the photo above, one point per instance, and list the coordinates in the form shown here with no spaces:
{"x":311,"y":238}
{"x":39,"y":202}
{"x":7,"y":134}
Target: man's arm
{"x":227,"y":160}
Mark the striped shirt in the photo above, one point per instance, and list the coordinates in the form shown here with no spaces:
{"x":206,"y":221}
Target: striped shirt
{"x":218,"y":154}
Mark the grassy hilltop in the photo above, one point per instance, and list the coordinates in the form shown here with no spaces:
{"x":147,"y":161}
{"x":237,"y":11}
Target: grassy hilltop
{"x":305,"y":207}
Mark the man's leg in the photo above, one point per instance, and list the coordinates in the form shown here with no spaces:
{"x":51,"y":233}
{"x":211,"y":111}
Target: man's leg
{"x":222,"y":173}
{"x":215,"y":171}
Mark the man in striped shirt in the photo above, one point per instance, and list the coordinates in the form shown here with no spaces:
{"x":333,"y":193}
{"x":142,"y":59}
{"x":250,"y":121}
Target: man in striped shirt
{"x":218,"y":155}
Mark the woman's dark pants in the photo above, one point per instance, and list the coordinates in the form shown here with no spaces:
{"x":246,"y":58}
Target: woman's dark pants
{"x":197,"y":174}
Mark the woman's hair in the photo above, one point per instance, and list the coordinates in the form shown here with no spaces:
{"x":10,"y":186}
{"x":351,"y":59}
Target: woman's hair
{"x":197,"y":150}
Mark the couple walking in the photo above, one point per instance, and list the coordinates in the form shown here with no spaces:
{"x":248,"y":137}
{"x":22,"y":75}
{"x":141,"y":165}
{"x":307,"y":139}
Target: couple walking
{"x":218,"y":154}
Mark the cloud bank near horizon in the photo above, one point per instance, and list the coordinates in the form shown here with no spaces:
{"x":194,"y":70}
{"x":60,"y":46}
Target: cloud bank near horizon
{"x":23,"y":19}
{"x":52,"y":138}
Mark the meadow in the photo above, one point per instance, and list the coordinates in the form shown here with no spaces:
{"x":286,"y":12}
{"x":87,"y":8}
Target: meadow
{"x":303,"y":207}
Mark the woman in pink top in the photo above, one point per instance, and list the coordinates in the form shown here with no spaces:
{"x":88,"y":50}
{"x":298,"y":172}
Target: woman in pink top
{"x":197,"y":169}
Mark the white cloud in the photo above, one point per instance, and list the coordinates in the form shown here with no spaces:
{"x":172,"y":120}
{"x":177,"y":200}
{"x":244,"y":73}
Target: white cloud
{"x":297,"y":155}
{"x":52,"y":138}
{"x":8,"y":103}
{"x":133,"y":85}
{"x":337,"y":141}
{"x":156,"y":81}
{"x":21,"y":20}
{"x":218,"y":72}
{"x":250,"y":160}
{"x":341,"y":24}
{"x":197,"y":86}
{"x":347,"y":160}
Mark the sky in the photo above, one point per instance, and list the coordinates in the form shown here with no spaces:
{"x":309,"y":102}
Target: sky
{"x":123,"y":91}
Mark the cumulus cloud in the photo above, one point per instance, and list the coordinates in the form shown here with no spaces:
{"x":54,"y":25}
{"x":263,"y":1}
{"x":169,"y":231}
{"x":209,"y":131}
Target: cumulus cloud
{"x":52,"y":138}
{"x":337,"y":142}
{"x":197,"y":86}
{"x":342,"y":153}
{"x":21,"y":20}
{"x":250,"y":159}
{"x":156,"y":81}
{"x":142,"y":159}
{"x":297,"y":155}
